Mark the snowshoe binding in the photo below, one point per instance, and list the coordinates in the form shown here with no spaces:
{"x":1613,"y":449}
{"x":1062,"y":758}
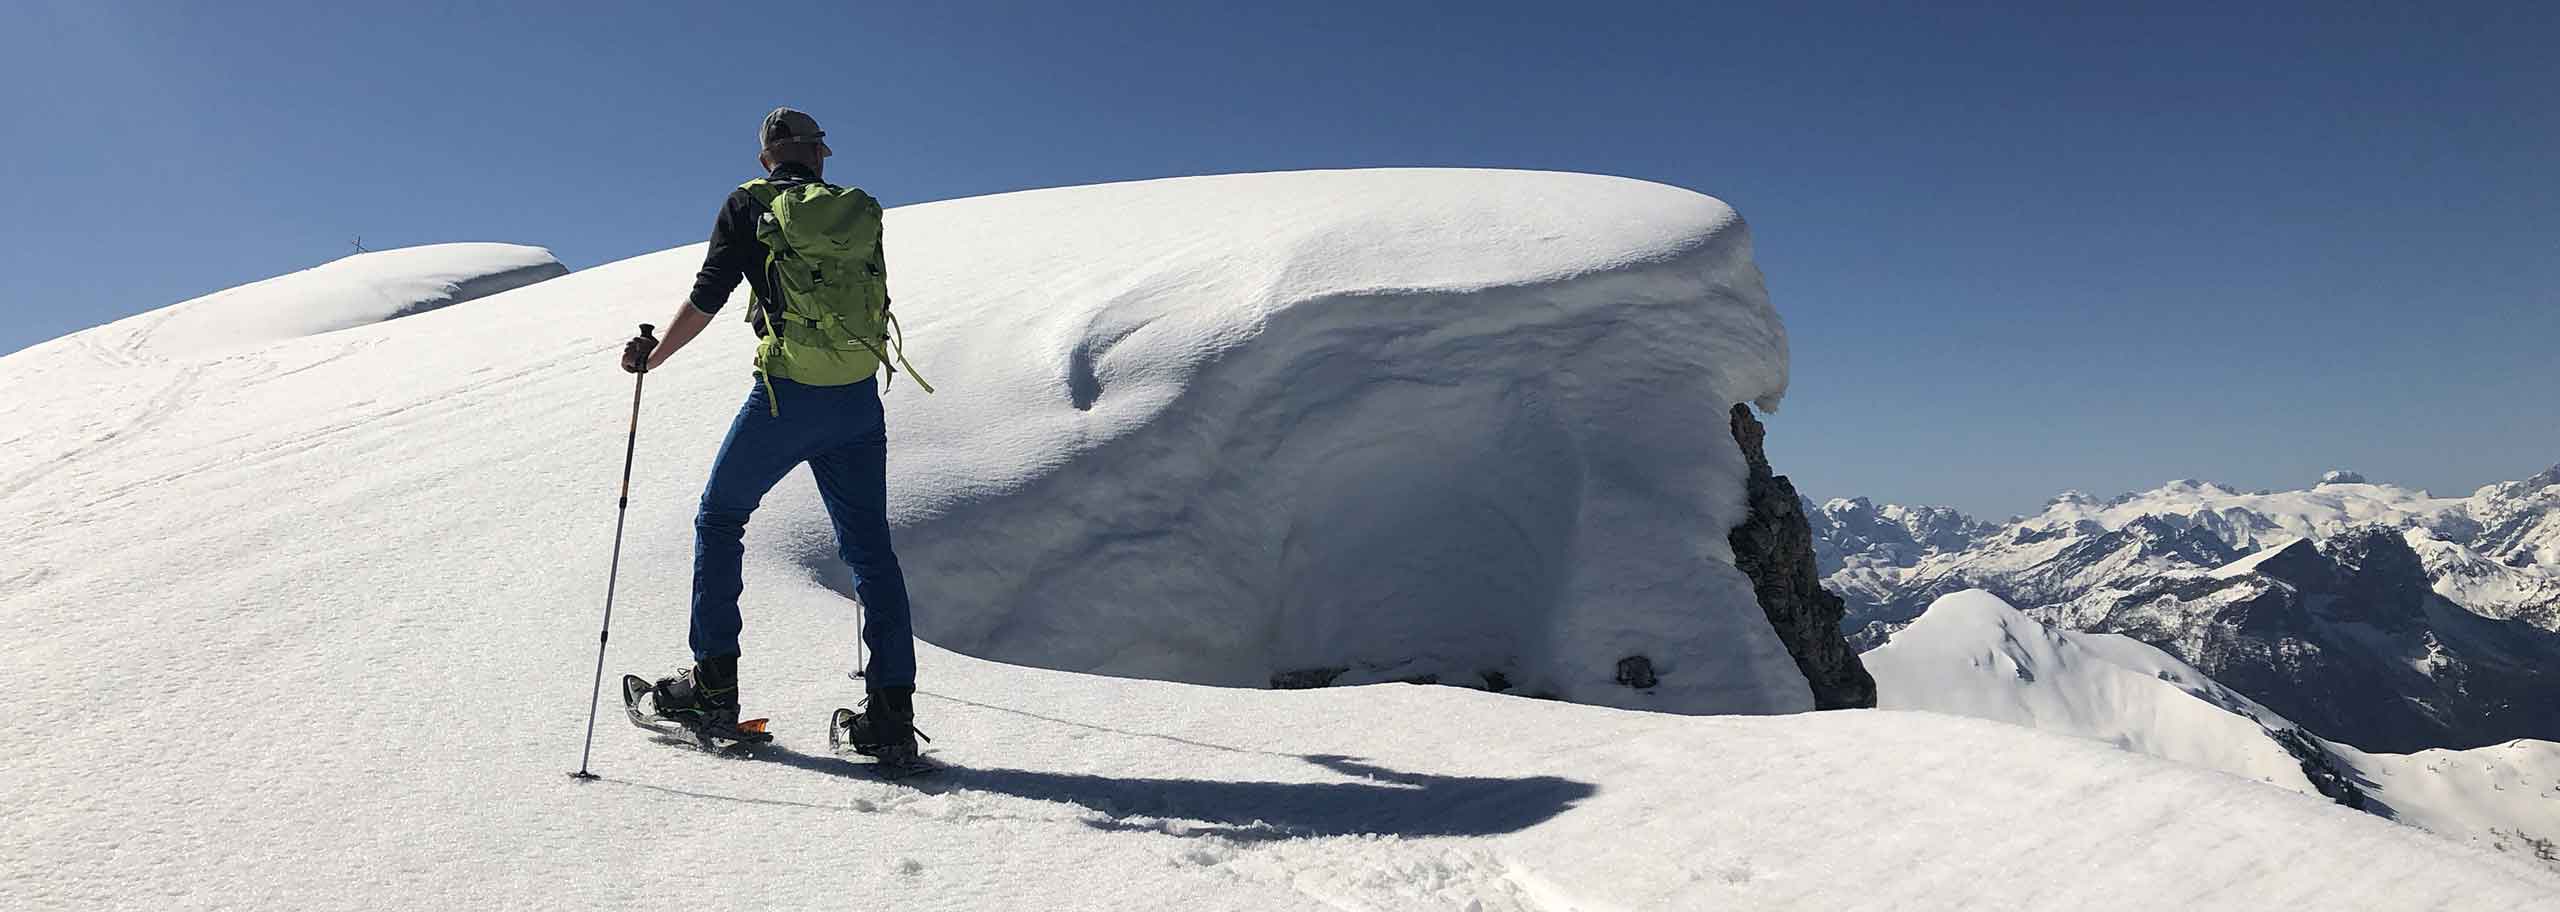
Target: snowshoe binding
{"x":699,"y":704}
{"x":884,"y":731}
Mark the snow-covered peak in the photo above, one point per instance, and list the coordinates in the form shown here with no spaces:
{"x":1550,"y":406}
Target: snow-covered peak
{"x":2341,"y":476}
{"x":1972,"y":654}
{"x":2488,"y":587}
{"x":2247,"y":519}
{"x":1848,"y":506}
{"x":1856,"y":531}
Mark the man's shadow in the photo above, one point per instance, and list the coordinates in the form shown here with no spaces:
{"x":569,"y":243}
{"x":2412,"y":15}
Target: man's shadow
{"x":1382,"y":802}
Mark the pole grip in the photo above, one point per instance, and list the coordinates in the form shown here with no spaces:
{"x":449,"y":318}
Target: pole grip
{"x":646,"y":329}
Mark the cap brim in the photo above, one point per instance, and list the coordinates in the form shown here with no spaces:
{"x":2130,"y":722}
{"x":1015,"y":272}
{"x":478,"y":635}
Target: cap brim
{"x":823,"y":151}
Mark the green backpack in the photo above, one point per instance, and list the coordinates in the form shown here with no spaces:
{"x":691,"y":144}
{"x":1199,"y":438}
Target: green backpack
{"x":832,"y":325}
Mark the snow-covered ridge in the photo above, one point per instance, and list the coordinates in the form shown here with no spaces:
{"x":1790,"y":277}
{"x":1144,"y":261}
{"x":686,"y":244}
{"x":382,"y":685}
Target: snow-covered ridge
{"x":2496,"y":552}
{"x":2255,"y":519}
{"x":2255,"y":587}
{"x":350,"y":291}
{"x":399,"y":532}
{"x":1972,"y":654}
{"x":90,"y":377}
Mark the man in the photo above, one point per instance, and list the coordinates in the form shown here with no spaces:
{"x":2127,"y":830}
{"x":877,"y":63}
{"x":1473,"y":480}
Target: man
{"x":810,"y":252}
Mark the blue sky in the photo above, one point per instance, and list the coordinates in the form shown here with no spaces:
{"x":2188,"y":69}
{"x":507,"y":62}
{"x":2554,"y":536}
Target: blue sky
{"x":2018,"y":250}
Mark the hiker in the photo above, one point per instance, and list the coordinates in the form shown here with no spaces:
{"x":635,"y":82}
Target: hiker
{"x":810,"y":251}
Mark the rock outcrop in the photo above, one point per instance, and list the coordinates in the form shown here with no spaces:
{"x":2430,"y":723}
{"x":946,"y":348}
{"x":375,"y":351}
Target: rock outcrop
{"x":1775,"y":548}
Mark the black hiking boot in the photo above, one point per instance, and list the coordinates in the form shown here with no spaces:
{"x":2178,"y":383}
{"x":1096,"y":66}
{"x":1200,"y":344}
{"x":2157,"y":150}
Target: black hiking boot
{"x":885,"y":729}
{"x":703,"y":698}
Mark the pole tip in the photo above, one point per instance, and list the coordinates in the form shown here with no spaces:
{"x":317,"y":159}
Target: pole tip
{"x":584,"y":776}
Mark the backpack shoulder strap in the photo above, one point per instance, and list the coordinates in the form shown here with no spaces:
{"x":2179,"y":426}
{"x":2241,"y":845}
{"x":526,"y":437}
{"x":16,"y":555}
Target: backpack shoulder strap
{"x":765,"y":189}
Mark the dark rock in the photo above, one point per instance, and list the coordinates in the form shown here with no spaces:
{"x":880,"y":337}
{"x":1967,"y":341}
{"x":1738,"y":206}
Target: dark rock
{"x":2377,"y":567}
{"x":1774,"y":546}
{"x":2343,"y":636}
{"x":2302,"y":566}
{"x":2323,"y":769}
{"x":1636,"y":672}
{"x":1305,"y":678}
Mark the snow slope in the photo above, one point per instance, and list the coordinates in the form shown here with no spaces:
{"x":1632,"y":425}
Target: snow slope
{"x":1972,"y":654}
{"x":87,"y":378}
{"x":318,"y":632}
{"x":351,"y":291}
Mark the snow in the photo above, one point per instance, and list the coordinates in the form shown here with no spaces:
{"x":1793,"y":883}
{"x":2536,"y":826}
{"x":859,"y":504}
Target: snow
{"x":2249,"y":564}
{"x":311,"y":624}
{"x":2486,"y":587}
{"x":1409,"y":423}
{"x":2495,"y":553}
{"x":1972,"y":654}
{"x":2257,"y":519}
{"x":90,"y":379}
{"x":351,"y":291}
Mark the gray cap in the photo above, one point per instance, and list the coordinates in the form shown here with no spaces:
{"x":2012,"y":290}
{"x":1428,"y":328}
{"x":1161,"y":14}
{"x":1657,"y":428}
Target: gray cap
{"x":786,"y":125}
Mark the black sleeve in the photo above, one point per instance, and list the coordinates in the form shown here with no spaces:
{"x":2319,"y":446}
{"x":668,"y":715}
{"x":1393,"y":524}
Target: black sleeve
{"x":734,"y":251}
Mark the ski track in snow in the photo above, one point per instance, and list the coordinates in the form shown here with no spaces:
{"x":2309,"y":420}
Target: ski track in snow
{"x":157,"y":408}
{"x":321,"y":642}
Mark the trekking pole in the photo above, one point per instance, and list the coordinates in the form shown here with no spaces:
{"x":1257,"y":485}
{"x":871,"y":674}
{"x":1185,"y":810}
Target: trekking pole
{"x":621,"y":508}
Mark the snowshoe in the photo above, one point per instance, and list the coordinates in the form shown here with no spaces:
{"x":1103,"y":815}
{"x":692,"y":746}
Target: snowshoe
{"x":886,"y":734}
{"x":675,"y":707}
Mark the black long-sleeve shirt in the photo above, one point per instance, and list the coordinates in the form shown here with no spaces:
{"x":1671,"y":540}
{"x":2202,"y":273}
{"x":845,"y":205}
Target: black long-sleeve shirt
{"x":735,"y":252}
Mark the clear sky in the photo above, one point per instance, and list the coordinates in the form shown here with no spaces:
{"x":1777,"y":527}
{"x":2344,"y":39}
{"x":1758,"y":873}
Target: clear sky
{"x":2018,"y":250}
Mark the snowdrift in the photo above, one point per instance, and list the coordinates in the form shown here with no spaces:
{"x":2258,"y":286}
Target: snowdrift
{"x":1401,"y":424}
{"x":1972,"y":654}
{"x":309,"y":624}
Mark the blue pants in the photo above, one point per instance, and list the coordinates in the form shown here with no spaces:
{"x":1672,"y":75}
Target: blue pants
{"x":840,"y":433}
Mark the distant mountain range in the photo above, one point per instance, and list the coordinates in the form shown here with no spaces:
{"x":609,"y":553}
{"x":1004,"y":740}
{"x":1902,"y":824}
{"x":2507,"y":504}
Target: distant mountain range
{"x":2378,"y":615}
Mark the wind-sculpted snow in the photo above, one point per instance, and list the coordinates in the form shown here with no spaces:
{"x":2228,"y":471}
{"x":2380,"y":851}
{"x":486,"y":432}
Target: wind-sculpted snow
{"x":351,"y":291}
{"x":1404,"y":424}
{"x":311,"y":624}
{"x":1972,"y":654}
